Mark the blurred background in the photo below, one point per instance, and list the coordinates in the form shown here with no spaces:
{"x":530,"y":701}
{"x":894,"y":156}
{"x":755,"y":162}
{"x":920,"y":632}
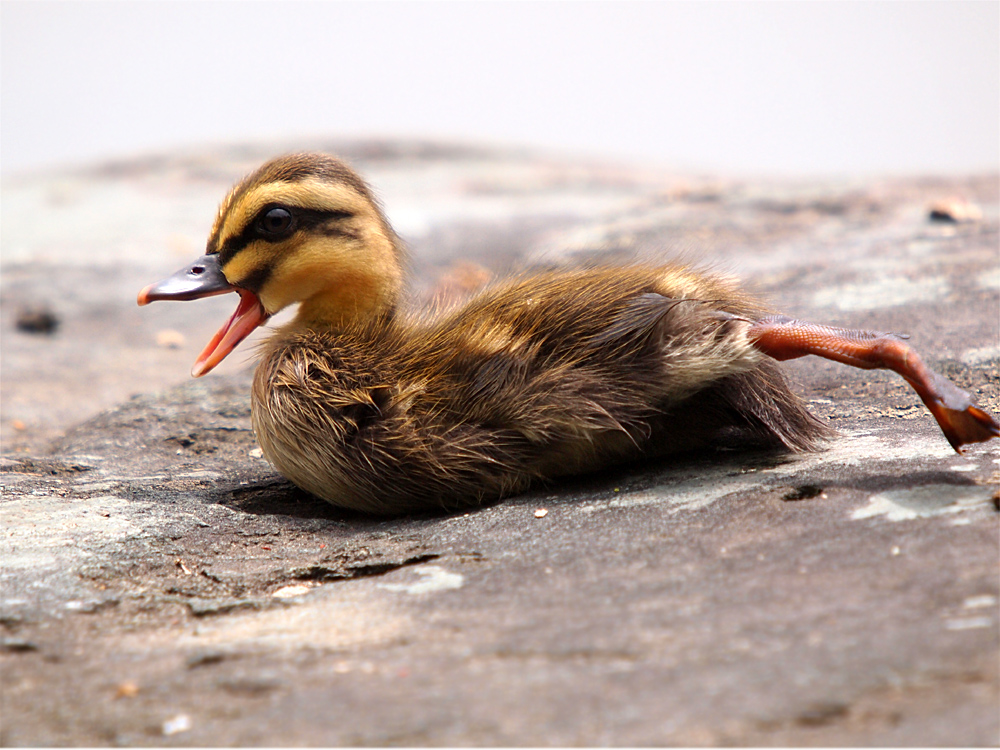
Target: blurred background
{"x":741,"y":88}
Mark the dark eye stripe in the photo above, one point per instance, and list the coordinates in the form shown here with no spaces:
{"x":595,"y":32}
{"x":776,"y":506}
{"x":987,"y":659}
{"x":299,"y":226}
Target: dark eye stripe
{"x":306,"y":218}
{"x":257,"y":278}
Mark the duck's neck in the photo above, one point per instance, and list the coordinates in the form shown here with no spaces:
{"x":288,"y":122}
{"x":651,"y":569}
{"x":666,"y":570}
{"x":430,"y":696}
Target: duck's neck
{"x":345,"y":282}
{"x":358,"y":302}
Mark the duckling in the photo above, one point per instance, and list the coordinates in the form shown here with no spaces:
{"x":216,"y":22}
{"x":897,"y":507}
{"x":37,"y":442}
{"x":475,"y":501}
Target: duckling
{"x":538,"y":376}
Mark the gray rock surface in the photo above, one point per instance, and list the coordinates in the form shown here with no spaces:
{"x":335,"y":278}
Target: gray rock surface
{"x":162,"y":585}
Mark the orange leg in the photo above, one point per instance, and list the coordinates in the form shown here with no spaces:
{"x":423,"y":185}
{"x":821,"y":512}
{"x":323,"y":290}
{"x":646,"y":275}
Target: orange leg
{"x":960,"y":419}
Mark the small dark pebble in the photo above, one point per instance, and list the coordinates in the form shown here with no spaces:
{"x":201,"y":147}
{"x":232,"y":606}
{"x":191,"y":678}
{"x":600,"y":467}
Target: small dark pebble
{"x":939,"y":215}
{"x":954,"y":211}
{"x":821,"y":714}
{"x":18,"y":645}
{"x":39,"y":320}
{"x":205,"y":658}
{"x":805,"y":492}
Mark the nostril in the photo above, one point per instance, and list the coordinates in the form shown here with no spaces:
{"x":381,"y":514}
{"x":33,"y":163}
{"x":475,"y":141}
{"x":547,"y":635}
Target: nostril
{"x":198,"y":270}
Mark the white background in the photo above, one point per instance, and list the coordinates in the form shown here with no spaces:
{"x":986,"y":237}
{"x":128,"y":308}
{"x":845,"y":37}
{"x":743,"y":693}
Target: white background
{"x":779,"y":88}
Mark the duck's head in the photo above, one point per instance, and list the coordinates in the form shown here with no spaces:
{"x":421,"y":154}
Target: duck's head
{"x":303,"y":228}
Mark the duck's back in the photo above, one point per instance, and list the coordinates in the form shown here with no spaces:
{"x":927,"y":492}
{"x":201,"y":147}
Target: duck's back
{"x":546,"y":375}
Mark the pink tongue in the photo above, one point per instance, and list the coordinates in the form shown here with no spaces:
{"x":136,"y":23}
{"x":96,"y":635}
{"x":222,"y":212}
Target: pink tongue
{"x":249,"y":314}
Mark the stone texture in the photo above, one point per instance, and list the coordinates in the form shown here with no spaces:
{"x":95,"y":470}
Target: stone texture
{"x":162,"y":585}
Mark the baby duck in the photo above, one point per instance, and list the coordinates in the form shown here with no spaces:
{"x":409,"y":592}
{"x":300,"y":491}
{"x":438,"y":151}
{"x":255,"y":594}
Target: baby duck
{"x":539,"y":376}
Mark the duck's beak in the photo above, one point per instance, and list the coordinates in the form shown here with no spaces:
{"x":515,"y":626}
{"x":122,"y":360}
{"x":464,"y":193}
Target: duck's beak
{"x":204,"y":278}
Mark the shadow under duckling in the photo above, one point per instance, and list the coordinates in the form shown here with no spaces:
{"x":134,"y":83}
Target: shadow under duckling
{"x":536,"y":377}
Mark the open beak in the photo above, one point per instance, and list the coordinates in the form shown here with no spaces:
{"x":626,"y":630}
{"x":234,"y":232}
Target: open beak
{"x":204,"y":278}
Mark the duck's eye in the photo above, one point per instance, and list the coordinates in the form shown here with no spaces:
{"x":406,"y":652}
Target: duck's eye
{"x":276,"y":222}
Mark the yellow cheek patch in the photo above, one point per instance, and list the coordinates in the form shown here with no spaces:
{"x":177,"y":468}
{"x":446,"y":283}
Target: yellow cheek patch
{"x":298,"y":269}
